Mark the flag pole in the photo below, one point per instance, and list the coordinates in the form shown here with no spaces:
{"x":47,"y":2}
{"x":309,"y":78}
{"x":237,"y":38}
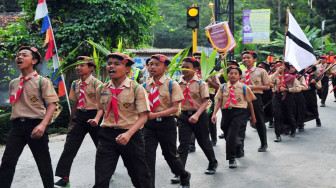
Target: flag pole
{"x":57,"y":60}
{"x":284,"y":48}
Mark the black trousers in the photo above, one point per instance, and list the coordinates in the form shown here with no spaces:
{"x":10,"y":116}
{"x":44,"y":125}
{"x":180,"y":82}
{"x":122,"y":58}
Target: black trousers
{"x":18,"y":137}
{"x":201,"y":131}
{"x":301,"y":108}
{"x":323,"y":92}
{"x":312,"y":108}
{"x":260,"y":116}
{"x":74,"y":139}
{"x":333,"y":80}
{"x":232,"y":121}
{"x":163,"y":132}
{"x":133,"y":155}
{"x":267,"y":97}
{"x":284,"y":110}
{"x":212,"y":126}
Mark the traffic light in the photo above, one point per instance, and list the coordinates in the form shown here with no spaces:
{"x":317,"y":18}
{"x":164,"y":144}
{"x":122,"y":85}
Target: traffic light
{"x":193,"y":17}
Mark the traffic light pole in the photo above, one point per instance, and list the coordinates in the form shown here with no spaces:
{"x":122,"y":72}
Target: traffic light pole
{"x":194,"y":40}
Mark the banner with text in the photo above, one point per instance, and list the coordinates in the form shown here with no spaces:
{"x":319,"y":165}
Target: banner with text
{"x":256,"y":26}
{"x":220,"y":37}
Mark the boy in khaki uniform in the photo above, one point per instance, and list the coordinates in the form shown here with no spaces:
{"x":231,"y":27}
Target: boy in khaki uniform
{"x":233,"y":98}
{"x":164,"y":97}
{"x":83,"y":96}
{"x":193,"y":118}
{"x":125,"y":107}
{"x":30,"y":118}
{"x":258,"y":80}
{"x":213,"y":85}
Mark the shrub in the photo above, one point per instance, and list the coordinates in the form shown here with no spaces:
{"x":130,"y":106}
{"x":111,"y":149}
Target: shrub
{"x":5,"y":126}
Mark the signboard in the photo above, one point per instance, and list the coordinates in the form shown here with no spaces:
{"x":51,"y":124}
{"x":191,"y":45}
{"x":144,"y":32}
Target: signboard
{"x":220,"y":37}
{"x":256,"y":26}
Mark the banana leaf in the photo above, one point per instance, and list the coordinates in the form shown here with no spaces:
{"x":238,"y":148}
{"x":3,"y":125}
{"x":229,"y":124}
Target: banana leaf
{"x":174,"y":65}
{"x":207,"y":65}
{"x":99,"y":47}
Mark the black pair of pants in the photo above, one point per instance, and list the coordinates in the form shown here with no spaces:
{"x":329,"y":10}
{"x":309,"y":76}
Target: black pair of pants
{"x":201,"y":131}
{"x":232,"y":121}
{"x":133,"y":155}
{"x":311,"y":103}
{"x":333,"y":80}
{"x":267,"y":98}
{"x":260,"y":116}
{"x":323,"y":92}
{"x":80,"y":127}
{"x":18,"y":137}
{"x":163,"y":132}
{"x":301,"y":108}
{"x":284,"y":110}
{"x":212,"y":126}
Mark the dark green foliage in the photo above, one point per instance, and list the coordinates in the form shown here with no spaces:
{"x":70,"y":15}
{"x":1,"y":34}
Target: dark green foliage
{"x":5,"y":126}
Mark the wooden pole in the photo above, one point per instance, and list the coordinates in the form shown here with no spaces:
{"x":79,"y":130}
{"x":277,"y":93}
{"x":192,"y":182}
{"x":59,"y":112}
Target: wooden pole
{"x":284,"y":48}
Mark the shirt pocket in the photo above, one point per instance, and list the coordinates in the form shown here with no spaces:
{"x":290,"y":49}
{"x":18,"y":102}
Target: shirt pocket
{"x":165,"y":97}
{"x":126,"y":103}
{"x":257,"y":80}
{"x":195,"y":96}
{"x":34,"y":95}
{"x":104,"y":99}
{"x":239,"y":98}
{"x":91,"y":93}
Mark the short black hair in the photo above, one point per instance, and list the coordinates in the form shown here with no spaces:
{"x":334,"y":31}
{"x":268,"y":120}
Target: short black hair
{"x":36,"y":55}
{"x":254,"y":54}
{"x":237,"y":68}
{"x":193,"y":61}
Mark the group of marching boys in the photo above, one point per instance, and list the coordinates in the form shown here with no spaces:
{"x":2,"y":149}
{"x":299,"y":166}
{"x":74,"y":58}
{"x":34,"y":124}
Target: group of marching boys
{"x":128,"y":119}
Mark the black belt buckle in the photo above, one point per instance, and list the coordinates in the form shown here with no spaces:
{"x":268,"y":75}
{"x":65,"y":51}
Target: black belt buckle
{"x":22,"y":119}
{"x":229,"y":107}
{"x":190,"y":112}
{"x":82,"y":109}
{"x":159,"y":119}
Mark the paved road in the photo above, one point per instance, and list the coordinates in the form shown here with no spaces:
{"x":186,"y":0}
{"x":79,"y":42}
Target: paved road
{"x":308,"y":160}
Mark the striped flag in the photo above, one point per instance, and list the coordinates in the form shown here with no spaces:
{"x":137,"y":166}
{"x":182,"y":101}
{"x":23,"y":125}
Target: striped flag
{"x":41,"y":10}
{"x":299,"y":52}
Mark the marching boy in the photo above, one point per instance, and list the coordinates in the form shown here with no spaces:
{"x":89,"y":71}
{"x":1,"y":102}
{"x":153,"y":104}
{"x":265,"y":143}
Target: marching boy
{"x":193,"y":118}
{"x":30,"y":118}
{"x":233,"y":98}
{"x":83,"y":96}
{"x":164,"y":98}
{"x":125,"y":107}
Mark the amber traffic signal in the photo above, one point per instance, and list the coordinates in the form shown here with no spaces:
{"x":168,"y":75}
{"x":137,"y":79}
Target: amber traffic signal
{"x":193,"y":17}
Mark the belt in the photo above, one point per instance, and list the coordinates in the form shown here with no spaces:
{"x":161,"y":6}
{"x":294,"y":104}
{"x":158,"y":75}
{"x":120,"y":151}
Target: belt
{"x":162,"y":118}
{"x":189,"y":112}
{"x":24,"y":119}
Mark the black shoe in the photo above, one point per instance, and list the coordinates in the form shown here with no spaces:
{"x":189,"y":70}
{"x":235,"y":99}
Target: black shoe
{"x":232,"y":163}
{"x":292,"y":133}
{"x":214,"y":142}
{"x":335,"y":100}
{"x":286,"y":133}
{"x":192,"y":148}
{"x":221,"y":136}
{"x":323,"y":105}
{"x":262,"y":148}
{"x":318,"y":122}
{"x":301,"y":129}
{"x":176,"y":179}
{"x":277,"y":139}
{"x":185,"y":181}
{"x":271,"y":124}
{"x":62,"y":183}
{"x":212,"y":167}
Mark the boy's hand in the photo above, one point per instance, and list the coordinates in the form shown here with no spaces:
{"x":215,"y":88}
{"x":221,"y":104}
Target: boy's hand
{"x":152,"y":115}
{"x":193,"y":118}
{"x":253,"y":120}
{"x":214,"y":119}
{"x":93,"y":122}
{"x":123,"y":138}
{"x":38,"y":132}
{"x":282,"y":89}
{"x":313,"y":81}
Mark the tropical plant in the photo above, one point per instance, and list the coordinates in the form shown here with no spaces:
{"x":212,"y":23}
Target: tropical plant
{"x":177,"y":61}
{"x":208,"y":64}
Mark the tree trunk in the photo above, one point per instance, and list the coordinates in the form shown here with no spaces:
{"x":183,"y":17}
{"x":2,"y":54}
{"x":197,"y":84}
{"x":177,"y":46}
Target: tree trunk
{"x":279,"y":12}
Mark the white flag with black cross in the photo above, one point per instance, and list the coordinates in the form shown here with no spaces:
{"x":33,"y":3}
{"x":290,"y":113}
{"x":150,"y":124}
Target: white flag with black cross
{"x":298,"y":52}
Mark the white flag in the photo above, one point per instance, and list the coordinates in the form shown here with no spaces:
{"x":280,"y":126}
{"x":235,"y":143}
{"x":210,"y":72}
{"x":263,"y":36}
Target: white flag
{"x":299,"y":52}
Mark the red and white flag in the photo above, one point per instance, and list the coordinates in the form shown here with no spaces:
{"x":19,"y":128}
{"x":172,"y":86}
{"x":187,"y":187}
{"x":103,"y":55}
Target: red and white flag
{"x":41,"y":10}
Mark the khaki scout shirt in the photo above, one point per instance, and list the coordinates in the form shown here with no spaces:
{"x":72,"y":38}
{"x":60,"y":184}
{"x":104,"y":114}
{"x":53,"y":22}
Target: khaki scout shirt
{"x":303,"y":84}
{"x":258,"y":77}
{"x":197,"y":91}
{"x":30,"y":103}
{"x":214,"y":79}
{"x":238,"y":88}
{"x":165,"y":97}
{"x":294,"y":87}
{"x":89,"y":92}
{"x":130,"y":103}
